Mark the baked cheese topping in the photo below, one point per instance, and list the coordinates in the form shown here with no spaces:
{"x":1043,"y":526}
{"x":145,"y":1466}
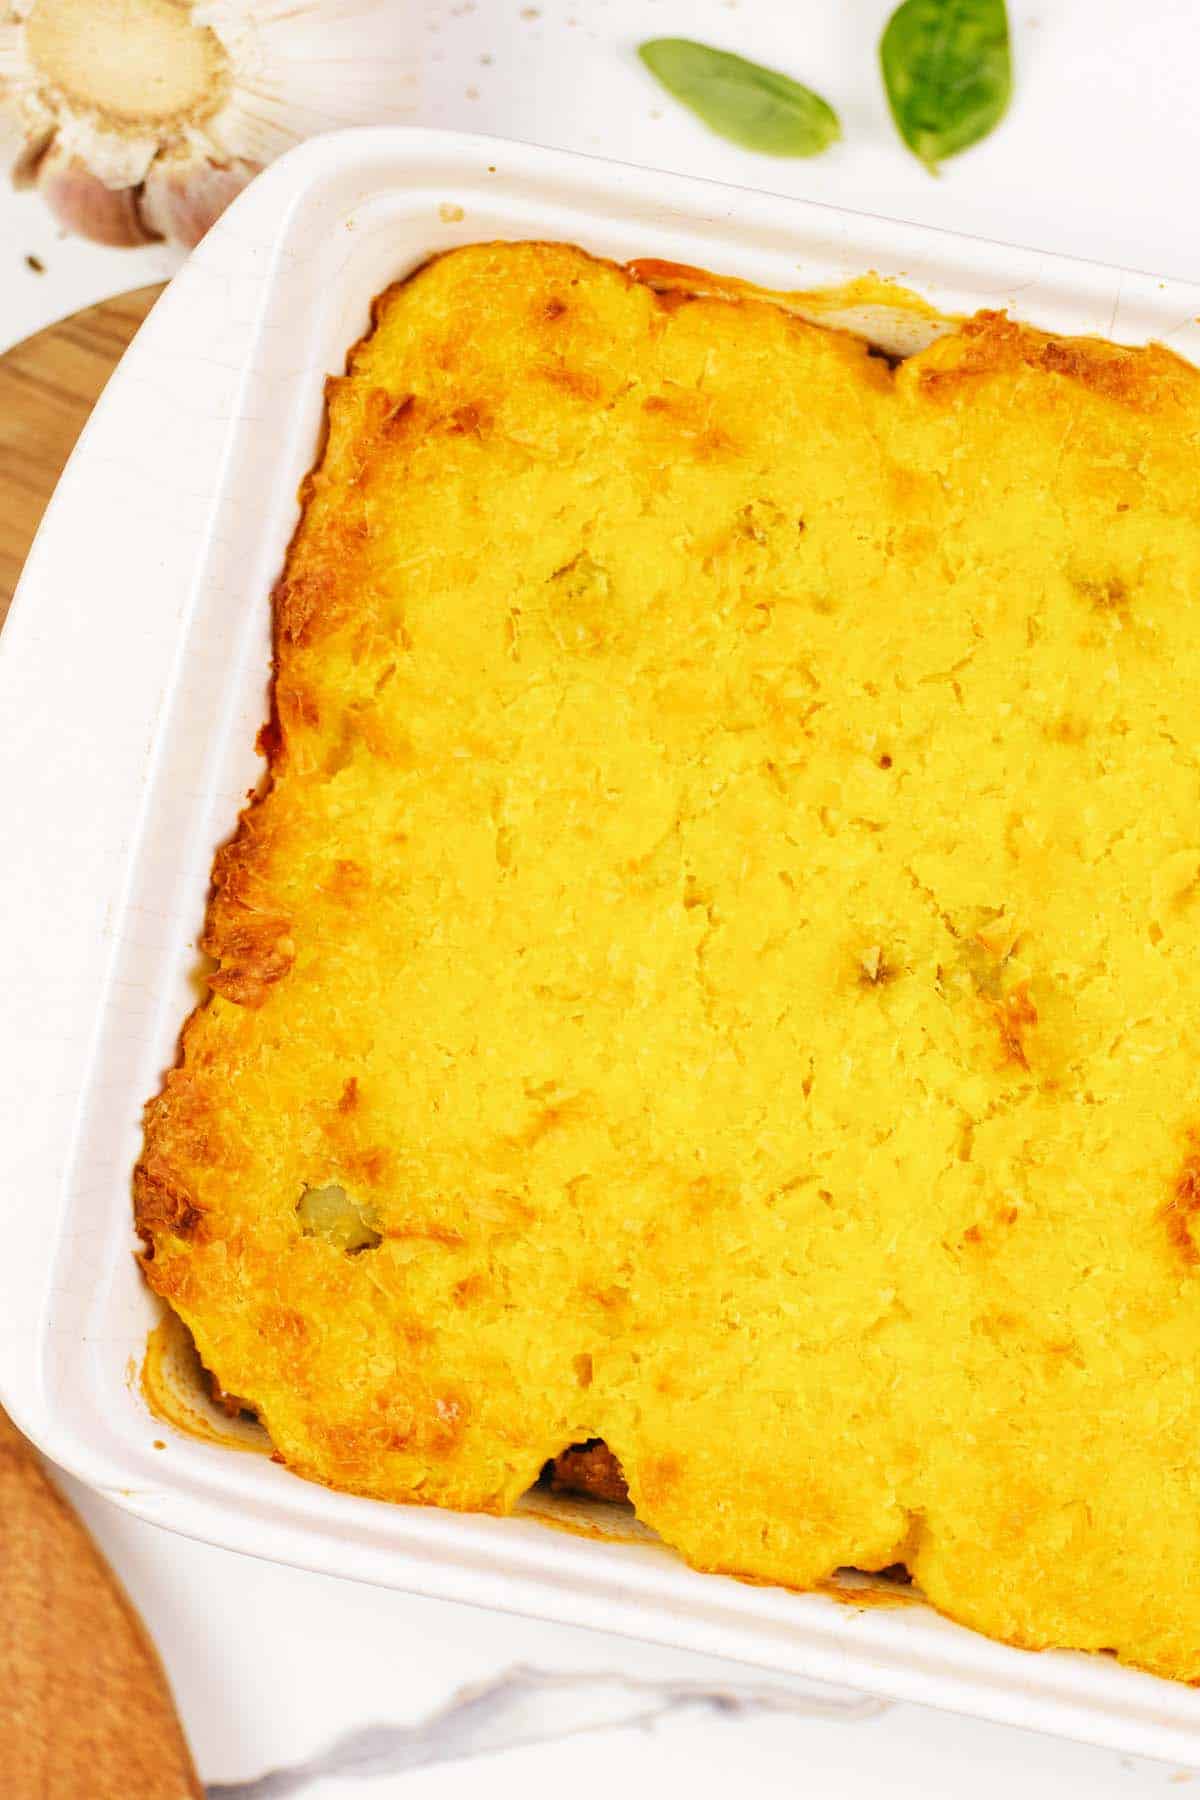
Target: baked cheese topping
{"x":715,"y":966}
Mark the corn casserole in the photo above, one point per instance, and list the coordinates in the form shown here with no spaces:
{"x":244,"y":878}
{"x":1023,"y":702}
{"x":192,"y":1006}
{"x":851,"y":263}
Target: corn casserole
{"x":709,"y":966}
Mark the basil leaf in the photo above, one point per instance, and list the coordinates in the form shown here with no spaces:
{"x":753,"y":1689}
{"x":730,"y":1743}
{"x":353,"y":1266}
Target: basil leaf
{"x":743,"y":101}
{"x":948,"y":73}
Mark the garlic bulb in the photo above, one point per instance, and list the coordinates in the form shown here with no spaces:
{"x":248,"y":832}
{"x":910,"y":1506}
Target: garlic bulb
{"x":141,"y":119}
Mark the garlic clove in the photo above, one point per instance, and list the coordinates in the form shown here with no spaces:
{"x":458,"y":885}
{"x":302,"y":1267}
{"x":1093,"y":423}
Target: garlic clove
{"x":24,"y":158}
{"x":184,"y":195}
{"x":26,"y":123}
{"x":84,"y":204}
{"x":139,"y":64}
{"x":305,"y":66}
{"x":142,"y":118}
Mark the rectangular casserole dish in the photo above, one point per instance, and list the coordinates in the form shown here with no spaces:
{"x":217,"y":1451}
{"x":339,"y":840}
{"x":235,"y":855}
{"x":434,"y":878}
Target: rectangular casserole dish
{"x":132,"y":680}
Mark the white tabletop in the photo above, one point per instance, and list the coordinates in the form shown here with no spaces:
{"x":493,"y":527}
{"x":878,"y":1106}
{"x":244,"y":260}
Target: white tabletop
{"x":369,"y":1693}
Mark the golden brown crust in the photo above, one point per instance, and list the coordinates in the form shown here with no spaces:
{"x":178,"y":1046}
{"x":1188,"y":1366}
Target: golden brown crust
{"x":991,"y":343}
{"x":179,"y":1129}
{"x":87,"y":1708}
{"x":1183,"y":1207}
{"x":703,"y":971}
{"x":161,"y":1204}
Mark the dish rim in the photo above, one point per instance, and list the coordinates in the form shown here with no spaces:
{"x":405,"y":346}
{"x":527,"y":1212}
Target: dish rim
{"x":221,"y":370}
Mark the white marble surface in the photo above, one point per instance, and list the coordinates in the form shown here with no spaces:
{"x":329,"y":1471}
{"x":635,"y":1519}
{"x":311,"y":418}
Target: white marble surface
{"x":363,"y":1694}
{"x":360,"y":1692}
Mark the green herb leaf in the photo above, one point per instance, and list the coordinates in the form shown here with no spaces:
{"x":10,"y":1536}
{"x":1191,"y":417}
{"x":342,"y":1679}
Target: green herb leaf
{"x":742,"y":101}
{"x":948,"y":73}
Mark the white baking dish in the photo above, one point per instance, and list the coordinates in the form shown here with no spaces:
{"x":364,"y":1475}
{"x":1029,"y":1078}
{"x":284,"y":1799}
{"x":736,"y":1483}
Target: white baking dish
{"x":132,"y":680}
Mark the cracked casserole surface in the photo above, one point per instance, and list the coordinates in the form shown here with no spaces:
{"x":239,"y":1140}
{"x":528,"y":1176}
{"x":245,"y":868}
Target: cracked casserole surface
{"x":714,"y":965}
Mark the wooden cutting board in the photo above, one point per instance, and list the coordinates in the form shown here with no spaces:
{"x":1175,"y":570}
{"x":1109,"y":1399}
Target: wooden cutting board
{"x":85,"y":1710}
{"x":48,"y":386}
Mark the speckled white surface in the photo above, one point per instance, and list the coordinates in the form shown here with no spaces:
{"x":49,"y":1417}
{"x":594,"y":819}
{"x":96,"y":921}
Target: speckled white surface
{"x":276,"y":1669}
{"x":1094,"y":160}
